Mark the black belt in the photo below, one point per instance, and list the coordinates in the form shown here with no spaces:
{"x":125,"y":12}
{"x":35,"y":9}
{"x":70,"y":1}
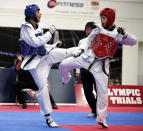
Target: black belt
{"x":30,"y":59}
{"x":103,"y":68}
{"x":103,"y":65}
{"x":95,"y":59}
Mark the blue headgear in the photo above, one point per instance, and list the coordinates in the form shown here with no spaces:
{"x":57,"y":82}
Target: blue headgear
{"x":30,"y":11}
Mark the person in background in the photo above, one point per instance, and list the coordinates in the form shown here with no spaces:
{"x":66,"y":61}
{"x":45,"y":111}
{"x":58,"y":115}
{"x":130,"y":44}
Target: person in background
{"x":87,"y":79}
{"x":24,"y":80}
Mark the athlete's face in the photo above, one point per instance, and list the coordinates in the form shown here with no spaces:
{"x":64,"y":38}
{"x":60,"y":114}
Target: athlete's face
{"x":103,"y":20}
{"x":88,"y":31}
{"x":38,"y":15}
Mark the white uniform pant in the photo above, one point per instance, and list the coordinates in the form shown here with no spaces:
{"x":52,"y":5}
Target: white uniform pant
{"x":100,"y":77}
{"x":40,"y":76}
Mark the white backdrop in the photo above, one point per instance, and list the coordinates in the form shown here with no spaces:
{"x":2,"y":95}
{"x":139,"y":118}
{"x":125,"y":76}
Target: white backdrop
{"x":74,"y":14}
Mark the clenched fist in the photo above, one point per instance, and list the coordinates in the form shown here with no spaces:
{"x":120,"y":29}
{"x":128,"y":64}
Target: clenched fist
{"x":52,"y":29}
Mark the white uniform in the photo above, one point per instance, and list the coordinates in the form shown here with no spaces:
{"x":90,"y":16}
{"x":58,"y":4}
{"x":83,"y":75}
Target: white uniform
{"x":40,"y":66}
{"x":86,"y":58}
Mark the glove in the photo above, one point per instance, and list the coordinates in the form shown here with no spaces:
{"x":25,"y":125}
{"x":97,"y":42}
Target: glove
{"x":52,"y":29}
{"x":57,"y":44}
{"x":121,"y":31}
{"x":78,"y":52}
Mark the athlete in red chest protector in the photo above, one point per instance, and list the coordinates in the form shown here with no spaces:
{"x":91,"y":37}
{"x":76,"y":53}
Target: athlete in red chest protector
{"x":98,"y":47}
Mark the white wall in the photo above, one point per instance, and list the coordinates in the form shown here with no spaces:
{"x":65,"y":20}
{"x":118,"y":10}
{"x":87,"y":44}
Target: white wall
{"x":130,"y":65}
{"x":140,"y":64}
{"x":129,"y":15}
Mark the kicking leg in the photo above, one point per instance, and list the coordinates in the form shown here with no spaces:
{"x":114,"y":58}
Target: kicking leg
{"x":58,"y":54}
{"x":69,"y":64}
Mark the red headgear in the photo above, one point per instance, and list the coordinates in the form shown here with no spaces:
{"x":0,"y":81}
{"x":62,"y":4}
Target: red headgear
{"x":110,"y":13}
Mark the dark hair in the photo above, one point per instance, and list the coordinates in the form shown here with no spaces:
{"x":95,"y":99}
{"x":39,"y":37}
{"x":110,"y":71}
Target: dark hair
{"x":90,"y":24}
{"x":27,"y":18}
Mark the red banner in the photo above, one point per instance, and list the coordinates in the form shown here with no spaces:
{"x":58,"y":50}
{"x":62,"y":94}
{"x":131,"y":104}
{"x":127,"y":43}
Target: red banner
{"x":119,"y":95}
{"x":80,"y":97}
{"x":125,"y":95}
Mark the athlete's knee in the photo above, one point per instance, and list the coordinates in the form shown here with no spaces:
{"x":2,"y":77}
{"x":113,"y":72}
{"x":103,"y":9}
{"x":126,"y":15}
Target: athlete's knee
{"x":62,"y":65}
{"x":42,"y":91}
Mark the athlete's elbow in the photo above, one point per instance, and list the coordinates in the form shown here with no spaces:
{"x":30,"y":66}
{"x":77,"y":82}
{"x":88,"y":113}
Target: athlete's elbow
{"x":37,"y":43}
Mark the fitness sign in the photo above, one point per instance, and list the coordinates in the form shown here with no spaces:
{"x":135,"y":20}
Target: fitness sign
{"x":75,"y":7}
{"x":61,"y":3}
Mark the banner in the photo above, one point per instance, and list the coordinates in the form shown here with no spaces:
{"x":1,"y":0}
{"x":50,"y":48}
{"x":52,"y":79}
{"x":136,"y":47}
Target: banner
{"x":125,"y":95}
{"x":80,"y":97}
{"x":119,"y":95}
{"x":74,"y":7}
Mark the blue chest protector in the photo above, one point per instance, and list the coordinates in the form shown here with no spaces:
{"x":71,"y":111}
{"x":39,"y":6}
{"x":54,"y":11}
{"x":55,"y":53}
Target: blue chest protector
{"x":28,"y":50}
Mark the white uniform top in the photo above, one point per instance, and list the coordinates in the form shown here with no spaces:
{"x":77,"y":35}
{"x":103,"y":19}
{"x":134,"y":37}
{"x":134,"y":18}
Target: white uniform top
{"x":27,"y":34}
{"x":85,"y":43}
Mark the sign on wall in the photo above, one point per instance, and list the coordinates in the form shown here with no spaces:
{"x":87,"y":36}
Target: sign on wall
{"x":80,"y":7}
{"x":119,"y":95}
{"x":125,"y":95}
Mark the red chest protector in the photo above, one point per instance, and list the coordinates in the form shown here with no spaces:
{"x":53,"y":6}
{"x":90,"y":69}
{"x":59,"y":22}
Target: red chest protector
{"x":104,"y":46}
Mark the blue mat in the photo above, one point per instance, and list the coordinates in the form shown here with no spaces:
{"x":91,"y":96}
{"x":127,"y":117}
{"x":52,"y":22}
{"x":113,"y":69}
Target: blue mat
{"x":33,"y":121}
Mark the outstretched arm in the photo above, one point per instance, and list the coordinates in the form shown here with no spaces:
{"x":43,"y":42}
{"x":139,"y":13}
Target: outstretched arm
{"x":127,"y":39}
